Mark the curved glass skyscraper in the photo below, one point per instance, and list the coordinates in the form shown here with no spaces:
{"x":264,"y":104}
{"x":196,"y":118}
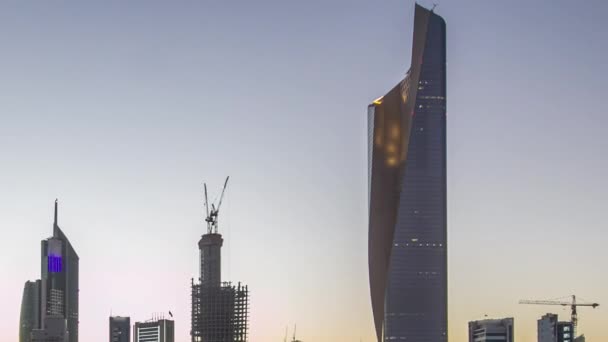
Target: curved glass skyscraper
{"x":407,"y":194}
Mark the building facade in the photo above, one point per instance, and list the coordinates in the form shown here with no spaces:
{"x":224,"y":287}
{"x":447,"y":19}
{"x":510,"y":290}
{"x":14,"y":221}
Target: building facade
{"x":54,"y":297}
{"x":550,"y":329}
{"x":120,"y":329}
{"x":162,"y":330}
{"x":30,"y":310}
{"x":491,"y":330}
{"x":565,"y":332}
{"x":55,"y":330}
{"x":407,"y":194}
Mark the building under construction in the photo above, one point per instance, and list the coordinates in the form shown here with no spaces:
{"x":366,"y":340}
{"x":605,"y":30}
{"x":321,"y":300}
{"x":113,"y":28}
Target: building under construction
{"x":220,"y":310}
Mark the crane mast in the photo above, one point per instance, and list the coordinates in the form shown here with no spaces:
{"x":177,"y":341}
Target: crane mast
{"x":212,"y":216}
{"x":573,"y":304}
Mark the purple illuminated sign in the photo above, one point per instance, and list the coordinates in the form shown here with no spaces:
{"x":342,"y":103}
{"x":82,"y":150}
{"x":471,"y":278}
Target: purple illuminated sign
{"x":54,"y":262}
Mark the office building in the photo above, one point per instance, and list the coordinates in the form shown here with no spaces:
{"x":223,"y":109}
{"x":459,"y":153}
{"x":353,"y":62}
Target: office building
{"x":550,"y":329}
{"x":120,"y":329}
{"x":55,"y":296}
{"x":161,"y":330}
{"x":59,"y":280}
{"x":491,"y":330}
{"x":407,"y":248}
{"x":30,"y":310}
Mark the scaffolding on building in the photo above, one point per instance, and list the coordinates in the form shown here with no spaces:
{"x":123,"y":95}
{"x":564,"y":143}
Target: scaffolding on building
{"x":219,"y":314}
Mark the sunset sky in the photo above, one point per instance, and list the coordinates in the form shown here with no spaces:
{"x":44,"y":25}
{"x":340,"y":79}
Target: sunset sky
{"x":123,"y":109}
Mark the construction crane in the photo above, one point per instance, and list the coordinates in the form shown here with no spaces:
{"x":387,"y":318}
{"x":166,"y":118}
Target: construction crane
{"x":294,"y":334}
{"x":212,"y":216}
{"x":573,"y":305}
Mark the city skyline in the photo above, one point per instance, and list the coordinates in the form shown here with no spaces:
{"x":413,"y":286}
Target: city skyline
{"x":122,"y":112}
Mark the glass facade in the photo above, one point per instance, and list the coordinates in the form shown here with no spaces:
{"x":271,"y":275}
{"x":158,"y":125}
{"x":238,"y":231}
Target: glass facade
{"x":407,"y":195}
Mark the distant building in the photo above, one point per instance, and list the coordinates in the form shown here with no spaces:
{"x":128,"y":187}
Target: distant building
{"x":490,"y":330}
{"x":51,"y":303}
{"x":55,"y":330}
{"x":550,"y":329}
{"x":580,"y":339}
{"x":120,"y":329}
{"x":162,"y":330}
{"x":30,"y":310}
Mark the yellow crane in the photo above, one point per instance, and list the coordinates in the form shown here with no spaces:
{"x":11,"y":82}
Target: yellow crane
{"x":573,"y":304}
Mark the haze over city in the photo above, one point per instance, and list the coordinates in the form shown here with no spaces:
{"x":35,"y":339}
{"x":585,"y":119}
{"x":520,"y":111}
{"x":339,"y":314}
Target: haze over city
{"x":123,"y":110}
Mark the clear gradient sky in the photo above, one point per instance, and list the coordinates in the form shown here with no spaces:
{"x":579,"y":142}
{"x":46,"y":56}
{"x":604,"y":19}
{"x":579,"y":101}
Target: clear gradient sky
{"x":123,"y":109}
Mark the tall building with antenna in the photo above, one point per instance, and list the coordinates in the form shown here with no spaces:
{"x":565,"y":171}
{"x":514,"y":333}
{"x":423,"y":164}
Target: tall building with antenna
{"x":407,"y":194}
{"x":220,"y":310}
{"x":50,"y":305}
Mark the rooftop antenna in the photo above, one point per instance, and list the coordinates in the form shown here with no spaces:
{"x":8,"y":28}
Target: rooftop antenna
{"x":434,"y":5}
{"x":55,"y":221}
{"x":212,"y":216}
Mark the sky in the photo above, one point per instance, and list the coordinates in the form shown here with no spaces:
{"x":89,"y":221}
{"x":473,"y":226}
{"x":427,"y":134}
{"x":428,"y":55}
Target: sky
{"x":123,"y":109}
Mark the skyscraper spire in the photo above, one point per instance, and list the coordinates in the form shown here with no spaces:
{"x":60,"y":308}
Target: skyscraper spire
{"x":55,"y":225}
{"x":55,"y":222}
